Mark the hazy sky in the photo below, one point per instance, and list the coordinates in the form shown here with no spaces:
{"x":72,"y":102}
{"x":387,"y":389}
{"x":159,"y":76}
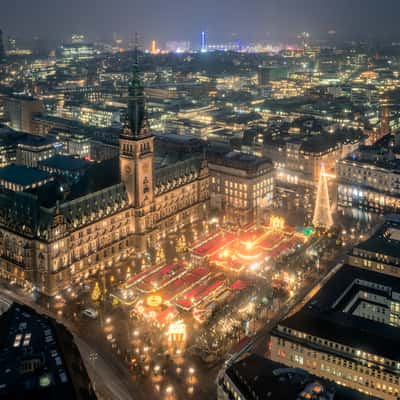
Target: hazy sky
{"x":184,"y":19}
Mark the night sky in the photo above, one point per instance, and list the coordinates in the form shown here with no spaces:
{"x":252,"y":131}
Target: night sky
{"x":184,"y":19}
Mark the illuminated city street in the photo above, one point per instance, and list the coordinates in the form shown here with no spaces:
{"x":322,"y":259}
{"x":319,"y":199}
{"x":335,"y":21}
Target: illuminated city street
{"x":174,"y":347}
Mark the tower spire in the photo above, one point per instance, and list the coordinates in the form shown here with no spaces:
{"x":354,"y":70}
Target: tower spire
{"x":136,"y":55}
{"x":322,"y":212}
{"x":136,"y":124}
{"x":2,"y":51}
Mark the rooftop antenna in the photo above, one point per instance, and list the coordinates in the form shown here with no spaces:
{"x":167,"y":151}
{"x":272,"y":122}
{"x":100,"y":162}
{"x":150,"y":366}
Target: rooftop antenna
{"x":136,"y":54}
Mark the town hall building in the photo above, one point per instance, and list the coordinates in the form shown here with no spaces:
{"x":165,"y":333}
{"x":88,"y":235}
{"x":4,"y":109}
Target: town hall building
{"x":58,"y":230}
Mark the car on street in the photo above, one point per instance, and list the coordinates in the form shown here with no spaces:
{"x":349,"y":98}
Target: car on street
{"x":90,"y":313}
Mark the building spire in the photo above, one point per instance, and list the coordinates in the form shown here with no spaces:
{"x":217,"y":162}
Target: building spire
{"x":136,"y":54}
{"x":2,"y":51}
{"x":136,"y":124}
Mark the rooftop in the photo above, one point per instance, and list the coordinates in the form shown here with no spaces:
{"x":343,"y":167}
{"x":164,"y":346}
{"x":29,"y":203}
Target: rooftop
{"x":22,"y":175}
{"x":14,"y":138}
{"x":385,"y":241}
{"x":316,"y":143}
{"x":36,"y":356}
{"x":97,"y":177}
{"x":326,"y":316}
{"x":65,"y":162}
{"x":375,"y":158}
{"x":36,"y":141}
{"x":237,"y":160}
{"x":260,"y":378}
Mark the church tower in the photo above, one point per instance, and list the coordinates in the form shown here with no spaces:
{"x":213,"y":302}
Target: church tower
{"x":136,"y":149}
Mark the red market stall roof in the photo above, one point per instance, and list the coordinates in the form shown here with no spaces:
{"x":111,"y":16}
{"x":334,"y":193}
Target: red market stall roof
{"x":141,"y":275}
{"x":238,"y":285}
{"x":213,"y":245}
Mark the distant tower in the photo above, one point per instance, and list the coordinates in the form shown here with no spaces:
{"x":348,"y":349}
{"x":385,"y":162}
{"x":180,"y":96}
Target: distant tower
{"x":322,"y":212}
{"x":153,"y":49}
{"x":2,"y":51}
{"x":203,"y":43}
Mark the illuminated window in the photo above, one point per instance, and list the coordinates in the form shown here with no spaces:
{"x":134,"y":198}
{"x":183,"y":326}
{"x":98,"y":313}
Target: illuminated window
{"x":17,"y":341}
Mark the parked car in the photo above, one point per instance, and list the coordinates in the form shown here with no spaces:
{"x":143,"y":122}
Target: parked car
{"x":90,"y":313}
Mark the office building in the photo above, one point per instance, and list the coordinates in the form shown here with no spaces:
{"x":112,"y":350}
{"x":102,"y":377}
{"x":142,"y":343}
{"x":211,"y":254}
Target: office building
{"x":72,"y":168}
{"x":267,"y":74}
{"x":77,"y":52}
{"x":348,"y":332}
{"x":369,"y":181}
{"x":32,"y":149}
{"x":19,"y":178}
{"x":298,"y":157}
{"x":20,"y":111}
{"x":255,"y":378}
{"x":380,"y":253}
{"x":242,"y":185}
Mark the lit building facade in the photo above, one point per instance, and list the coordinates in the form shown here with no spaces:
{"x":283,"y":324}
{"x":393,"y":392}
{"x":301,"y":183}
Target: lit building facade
{"x":298,"y":161}
{"x":33,"y":149}
{"x":20,"y":110}
{"x":93,"y":115}
{"x":58,"y":235}
{"x":369,"y":185}
{"x":254,"y":377}
{"x":77,"y":52}
{"x":242,"y":185}
{"x":348,"y":331}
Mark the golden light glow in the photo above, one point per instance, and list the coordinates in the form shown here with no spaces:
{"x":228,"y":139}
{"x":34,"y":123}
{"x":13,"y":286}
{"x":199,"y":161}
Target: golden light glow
{"x":154,"y":300}
{"x":277,"y":222}
{"x":177,"y":332}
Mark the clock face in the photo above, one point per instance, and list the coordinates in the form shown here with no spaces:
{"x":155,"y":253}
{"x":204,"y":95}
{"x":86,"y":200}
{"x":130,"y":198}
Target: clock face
{"x":128,"y":170}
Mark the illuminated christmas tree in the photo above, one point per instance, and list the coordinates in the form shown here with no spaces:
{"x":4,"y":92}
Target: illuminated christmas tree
{"x":160,"y":255}
{"x":181,"y":245}
{"x":322,"y":213}
{"x":96,"y":293}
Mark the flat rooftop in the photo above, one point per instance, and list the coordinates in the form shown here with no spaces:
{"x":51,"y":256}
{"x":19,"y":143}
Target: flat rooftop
{"x":22,"y":175}
{"x":234,"y":159}
{"x":261,"y":378}
{"x":65,"y":162}
{"x":385,"y":241}
{"x":36,"y":141}
{"x":328,"y":315}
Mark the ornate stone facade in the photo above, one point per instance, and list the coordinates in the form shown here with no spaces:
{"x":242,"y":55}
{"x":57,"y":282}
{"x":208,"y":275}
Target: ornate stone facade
{"x":54,"y":236}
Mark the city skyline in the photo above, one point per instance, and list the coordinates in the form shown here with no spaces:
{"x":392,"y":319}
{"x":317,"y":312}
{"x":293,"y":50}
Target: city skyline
{"x":224,"y":21}
{"x":200,"y":200}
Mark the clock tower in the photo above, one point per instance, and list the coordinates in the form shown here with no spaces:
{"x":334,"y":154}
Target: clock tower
{"x":136,"y":149}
